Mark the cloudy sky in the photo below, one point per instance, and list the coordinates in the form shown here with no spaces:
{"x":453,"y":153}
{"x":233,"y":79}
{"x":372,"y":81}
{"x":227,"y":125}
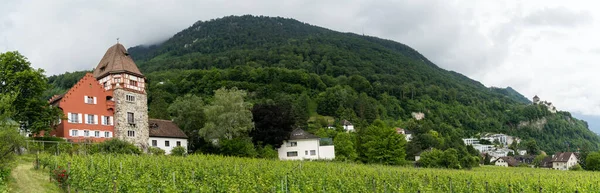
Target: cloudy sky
{"x":539,"y":47}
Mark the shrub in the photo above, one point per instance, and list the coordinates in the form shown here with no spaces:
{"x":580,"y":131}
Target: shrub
{"x":240,"y":147}
{"x":576,"y":167}
{"x":178,"y":151}
{"x":115,"y":146}
{"x":156,"y":151}
{"x":267,"y":152}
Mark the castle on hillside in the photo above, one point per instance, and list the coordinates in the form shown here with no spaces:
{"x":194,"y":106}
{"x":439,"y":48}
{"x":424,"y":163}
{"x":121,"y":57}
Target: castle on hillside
{"x":114,"y":105}
{"x":551,"y":108}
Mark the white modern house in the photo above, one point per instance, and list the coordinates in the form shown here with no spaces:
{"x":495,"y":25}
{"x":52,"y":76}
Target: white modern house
{"x":564,"y":160}
{"x":305,"y":146}
{"x":470,"y":141}
{"x":166,"y":135}
{"x":348,"y":127}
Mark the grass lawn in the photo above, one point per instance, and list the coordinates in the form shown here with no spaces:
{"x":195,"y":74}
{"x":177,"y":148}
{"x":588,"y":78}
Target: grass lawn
{"x":27,"y":180}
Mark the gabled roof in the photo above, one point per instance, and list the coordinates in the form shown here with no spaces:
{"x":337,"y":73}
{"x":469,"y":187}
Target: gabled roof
{"x":546,"y":162}
{"x":301,"y":134}
{"x":346,"y":122}
{"x":116,"y":60}
{"x":562,"y":156}
{"x":511,"y":161}
{"x":165,"y":128}
{"x":56,"y":99}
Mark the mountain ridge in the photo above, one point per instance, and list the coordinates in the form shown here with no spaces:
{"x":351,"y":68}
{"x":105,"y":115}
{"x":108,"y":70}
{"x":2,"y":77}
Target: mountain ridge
{"x":344,"y":75}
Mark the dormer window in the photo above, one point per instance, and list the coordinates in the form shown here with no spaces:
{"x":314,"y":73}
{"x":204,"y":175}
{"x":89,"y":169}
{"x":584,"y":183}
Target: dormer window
{"x":89,"y":100}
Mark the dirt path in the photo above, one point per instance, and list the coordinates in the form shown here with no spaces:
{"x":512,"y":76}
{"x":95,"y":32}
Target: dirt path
{"x":26,"y":179}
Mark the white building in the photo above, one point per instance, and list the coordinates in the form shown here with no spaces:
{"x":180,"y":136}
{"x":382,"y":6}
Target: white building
{"x":166,"y":135}
{"x":348,"y":127}
{"x":506,"y":162}
{"x":304,"y":146}
{"x":470,"y":141}
{"x":483,"y":148}
{"x":407,"y":134}
{"x":500,"y":138}
{"x":564,"y":160}
{"x":500,"y":152}
{"x":522,"y":152}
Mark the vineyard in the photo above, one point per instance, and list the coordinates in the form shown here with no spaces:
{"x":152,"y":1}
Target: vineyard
{"x":207,"y":173}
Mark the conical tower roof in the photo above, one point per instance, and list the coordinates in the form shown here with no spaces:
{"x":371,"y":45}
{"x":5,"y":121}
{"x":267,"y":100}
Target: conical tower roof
{"x":116,"y":60}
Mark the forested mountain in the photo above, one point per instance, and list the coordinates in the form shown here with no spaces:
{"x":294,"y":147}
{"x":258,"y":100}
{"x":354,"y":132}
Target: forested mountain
{"x":342,"y":75}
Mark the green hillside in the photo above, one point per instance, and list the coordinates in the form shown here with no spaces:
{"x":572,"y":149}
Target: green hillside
{"x":343,"y":75}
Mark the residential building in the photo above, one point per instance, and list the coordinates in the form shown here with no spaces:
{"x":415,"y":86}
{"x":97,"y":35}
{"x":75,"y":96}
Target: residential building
{"x":109,"y":103}
{"x":348,"y":127}
{"x":166,"y":135}
{"x":483,"y":148}
{"x":506,"y":162}
{"x":525,"y":159}
{"x":522,"y":152}
{"x":500,"y":152}
{"x":302,"y":145}
{"x":407,"y":134}
{"x":564,"y":160}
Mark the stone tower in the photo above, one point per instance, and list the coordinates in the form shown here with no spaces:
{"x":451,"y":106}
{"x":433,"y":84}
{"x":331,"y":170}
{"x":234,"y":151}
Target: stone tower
{"x":117,"y":73}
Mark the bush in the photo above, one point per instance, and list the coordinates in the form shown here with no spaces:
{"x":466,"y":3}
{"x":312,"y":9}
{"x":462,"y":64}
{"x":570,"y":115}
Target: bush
{"x":178,"y":151}
{"x":156,"y":151}
{"x":115,"y":146}
{"x":267,"y":152}
{"x":238,"y":147}
{"x":576,"y":167}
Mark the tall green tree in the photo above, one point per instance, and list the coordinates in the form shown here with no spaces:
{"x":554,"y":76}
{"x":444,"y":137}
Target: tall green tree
{"x":380,"y":144}
{"x":593,"y":161}
{"x":28,"y":85}
{"x":188,"y":113}
{"x":273,"y":123}
{"x":344,"y":147}
{"x":228,"y":116}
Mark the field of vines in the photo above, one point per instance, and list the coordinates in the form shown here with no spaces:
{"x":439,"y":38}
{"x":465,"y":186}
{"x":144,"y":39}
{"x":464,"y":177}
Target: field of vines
{"x":208,"y":173}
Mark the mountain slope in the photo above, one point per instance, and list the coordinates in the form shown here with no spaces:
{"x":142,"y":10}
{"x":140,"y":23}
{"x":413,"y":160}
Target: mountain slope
{"x":343,"y":75}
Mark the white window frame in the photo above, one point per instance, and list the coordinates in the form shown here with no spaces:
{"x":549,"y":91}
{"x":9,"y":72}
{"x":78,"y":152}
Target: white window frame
{"x":154,"y":143}
{"x":86,"y":133}
{"x":74,"y":132}
{"x":130,"y":98}
{"x":130,"y":133}
{"x":132,"y":120}
{"x":167,"y":143}
{"x":106,"y":134}
{"x":313,"y":152}
{"x":88,"y":120}
{"x":292,"y":144}
{"x":97,"y":134}
{"x":178,"y":143}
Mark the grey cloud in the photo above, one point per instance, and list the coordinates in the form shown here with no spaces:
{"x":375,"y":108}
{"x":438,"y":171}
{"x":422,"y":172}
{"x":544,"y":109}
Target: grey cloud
{"x":559,"y":17}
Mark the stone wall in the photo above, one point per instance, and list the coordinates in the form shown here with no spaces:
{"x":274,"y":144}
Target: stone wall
{"x":139,"y":108}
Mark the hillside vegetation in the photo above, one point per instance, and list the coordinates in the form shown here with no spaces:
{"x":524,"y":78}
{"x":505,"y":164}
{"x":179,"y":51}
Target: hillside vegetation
{"x":342,"y":75}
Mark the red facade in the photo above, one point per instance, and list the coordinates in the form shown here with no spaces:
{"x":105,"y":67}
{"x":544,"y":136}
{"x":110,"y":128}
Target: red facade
{"x":89,"y":111}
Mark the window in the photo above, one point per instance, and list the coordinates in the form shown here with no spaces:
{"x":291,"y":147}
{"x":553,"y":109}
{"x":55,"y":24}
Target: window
{"x":96,"y":133}
{"x":118,"y":80}
{"x":105,"y":84}
{"x":105,"y":120}
{"x":293,"y":144}
{"x":292,"y":153}
{"x":74,"y":133}
{"x":86,"y":133}
{"x":130,"y":118}
{"x":107,"y":134}
{"x":74,"y":118}
{"x":178,"y":143}
{"x":167,"y":144}
{"x":306,"y":152}
{"x":90,"y":119}
{"x":154,"y":143}
{"x":130,"y":98}
{"x":313,"y":152}
{"x":130,"y":133}
{"x":89,"y":100}
{"x":133,"y":83}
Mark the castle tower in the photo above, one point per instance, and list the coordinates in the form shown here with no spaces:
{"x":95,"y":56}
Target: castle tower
{"x":536,"y":99}
{"x":118,"y":74}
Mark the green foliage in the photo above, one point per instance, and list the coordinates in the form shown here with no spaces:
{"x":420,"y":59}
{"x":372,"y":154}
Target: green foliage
{"x":227,"y":116}
{"x":240,"y":147}
{"x":178,"y":151}
{"x":576,"y":167}
{"x":267,"y":152}
{"x":537,"y":161}
{"x":156,"y":151}
{"x":593,"y":161}
{"x":380,"y":144}
{"x":345,"y":147}
{"x":115,"y":146}
{"x":188,"y":114}
{"x":27,"y":85}
{"x":344,"y":75}
{"x":273,"y":123}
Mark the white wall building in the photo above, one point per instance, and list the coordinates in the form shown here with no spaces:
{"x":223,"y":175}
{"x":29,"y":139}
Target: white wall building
{"x":166,"y":135}
{"x":348,"y":127}
{"x":305,"y":146}
{"x":564,"y":160}
{"x":470,"y":141}
{"x":483,"y":148}
{"x":407,"y":134}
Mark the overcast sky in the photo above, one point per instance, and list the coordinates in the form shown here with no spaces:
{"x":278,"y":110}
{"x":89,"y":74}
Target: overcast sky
{"x":545,"y":48}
